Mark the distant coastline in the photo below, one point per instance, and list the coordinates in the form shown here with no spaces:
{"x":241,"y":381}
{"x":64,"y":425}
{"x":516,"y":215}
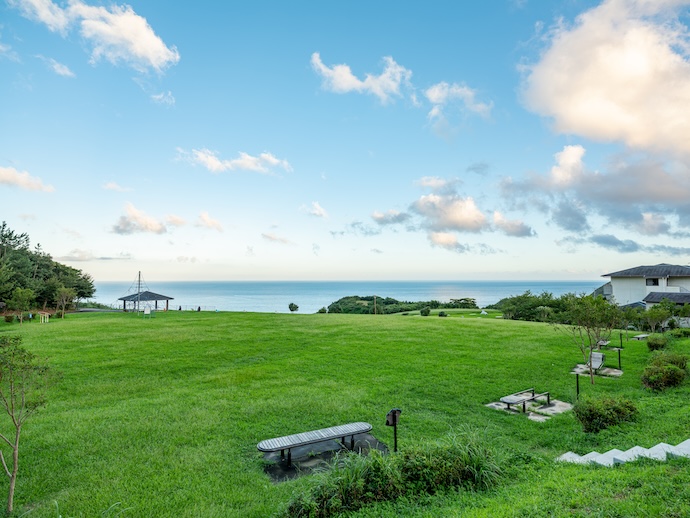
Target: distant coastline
{"x":310,"y":296}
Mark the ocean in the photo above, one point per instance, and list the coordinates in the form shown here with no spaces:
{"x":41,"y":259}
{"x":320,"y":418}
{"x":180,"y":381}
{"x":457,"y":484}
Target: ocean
{"x":310,"y":296}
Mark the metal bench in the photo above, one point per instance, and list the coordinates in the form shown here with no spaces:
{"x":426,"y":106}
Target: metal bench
{"x":302,"y":439}
{"x":523,"y":397}
{"x":596,"y":360}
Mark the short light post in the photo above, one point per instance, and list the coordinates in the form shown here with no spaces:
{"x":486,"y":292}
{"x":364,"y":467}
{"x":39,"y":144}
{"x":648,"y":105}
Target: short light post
{"x":392,"y":419}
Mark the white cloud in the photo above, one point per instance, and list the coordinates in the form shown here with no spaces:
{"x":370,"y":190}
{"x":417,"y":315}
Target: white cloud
{"x":390,"y":217}
{"x":513,"y":228}
{"x":116,"y":33}
{"x":44,"y":11}
{"x":166,"y":98}
{"x":207,"y":221}
{"x":620,"y":73}
{"x":447,"y":241}
{"x":58,"y":68}
{"x":340,"y":79}
{"x":137,"y":221}
{"x":450,"y":213}
{"x":10,"y":176}
{"x":112,"y":186}
{"x":273,"y":238}
{"x":209,"y":160}
{"x":569,"y":167}
{"x":443,"y":93}
{"x":175,"y":221}
{"x":317,"y":210}
{"x":653,"y":224}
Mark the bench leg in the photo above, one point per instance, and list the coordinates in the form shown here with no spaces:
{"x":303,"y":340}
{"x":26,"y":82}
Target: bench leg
{"x":289,"y":462}
{"x":282,"y":454}
{"x":352,"y":442}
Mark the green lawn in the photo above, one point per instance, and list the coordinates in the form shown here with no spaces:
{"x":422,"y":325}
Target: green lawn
{"x":161,"y":416}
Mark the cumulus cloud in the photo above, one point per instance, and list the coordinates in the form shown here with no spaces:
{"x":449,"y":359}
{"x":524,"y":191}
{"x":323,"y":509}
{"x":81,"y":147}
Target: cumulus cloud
{"x":116,"y":33}
{"x":448,"y":241}
{"x":480,"y":168}
{"x":390,"y":217}
{"x":619,"y":73}
{"x":514,"y":228}
{"x":340,"y":79}
{"x":450,"y":212}
{"x":645,"y":195}
{"x":10,"y":176}
{"x":210,"y":160}
{"x":442,"y":94}
{"x":175,"y":221}
{"x":136,"y":221}
{"x":207,"y":221}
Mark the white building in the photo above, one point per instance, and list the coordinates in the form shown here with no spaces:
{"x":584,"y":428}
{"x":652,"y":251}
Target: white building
{"x":648,"y":285}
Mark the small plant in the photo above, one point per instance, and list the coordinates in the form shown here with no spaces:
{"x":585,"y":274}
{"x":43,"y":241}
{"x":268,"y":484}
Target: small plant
{"x":656,"y":342}
{"x":597,"y":414}
{"x":9,"y":318}
{"x":425,"y":311}
{"x":293,"y":307}
{"x":681,"y":332}
{"x":660,"y":377}
{"x":442,"y":314}
{"x":322,"y":310}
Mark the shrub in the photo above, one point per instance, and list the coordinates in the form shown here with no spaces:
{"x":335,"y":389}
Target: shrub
{"x":656,"y":342}
{"x":668,"y":358}
{"x":442,"y":314}
{"x":355,"y":481}
{"x":9,"y":318}
{"x":681,"y":332}
{"x":322,"y":310}
{"x":660,"y":377}
{"x":425,"y":311}
{"x":597,"y":414}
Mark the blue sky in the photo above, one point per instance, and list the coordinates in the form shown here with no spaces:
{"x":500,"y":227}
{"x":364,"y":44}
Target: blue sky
{"x":354,"y":140}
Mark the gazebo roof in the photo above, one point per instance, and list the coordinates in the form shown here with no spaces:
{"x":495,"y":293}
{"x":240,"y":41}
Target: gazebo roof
{"x":144,"y":296}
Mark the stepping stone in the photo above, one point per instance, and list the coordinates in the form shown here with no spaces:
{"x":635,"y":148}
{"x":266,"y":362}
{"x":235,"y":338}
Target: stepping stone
{"x":607,"y":459}
{"x":630,"y":455}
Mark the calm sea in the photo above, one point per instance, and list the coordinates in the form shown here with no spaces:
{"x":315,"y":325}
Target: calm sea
{"x":274,"y":297}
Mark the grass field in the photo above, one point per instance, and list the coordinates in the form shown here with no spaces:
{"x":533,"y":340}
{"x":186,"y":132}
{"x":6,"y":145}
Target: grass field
{"x":161,"y":416}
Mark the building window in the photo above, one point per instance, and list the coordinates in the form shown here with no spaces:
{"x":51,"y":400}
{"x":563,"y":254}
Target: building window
{"x":652,"y":282}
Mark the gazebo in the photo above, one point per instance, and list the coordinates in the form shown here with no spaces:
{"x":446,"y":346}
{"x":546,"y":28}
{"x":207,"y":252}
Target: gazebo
{"x":144,"y":296}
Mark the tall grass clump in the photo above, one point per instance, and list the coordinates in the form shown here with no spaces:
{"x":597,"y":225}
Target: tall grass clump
{"x":355,"y":481}
{"x":596,"y":414}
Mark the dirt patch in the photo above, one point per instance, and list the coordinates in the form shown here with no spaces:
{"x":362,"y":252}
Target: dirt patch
{"x":318,"y":456}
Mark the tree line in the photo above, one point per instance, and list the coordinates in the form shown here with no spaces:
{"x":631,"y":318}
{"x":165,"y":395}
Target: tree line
{"x":32,"y":279}
{"x":547,"y":308}
{"x":375,"y":305}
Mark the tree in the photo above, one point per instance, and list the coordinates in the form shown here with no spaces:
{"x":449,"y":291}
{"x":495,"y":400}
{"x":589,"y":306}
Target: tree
{"x":65,"y":297}
{"x":24,"y":381}
{"x":590,"y":320}
{"x":293,"y":307}
{"x":655,"y":316}
{"x":21,"y":300}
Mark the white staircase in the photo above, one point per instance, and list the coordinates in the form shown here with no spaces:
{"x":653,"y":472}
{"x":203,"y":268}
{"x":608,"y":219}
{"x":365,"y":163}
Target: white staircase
{"x":661,"y":452}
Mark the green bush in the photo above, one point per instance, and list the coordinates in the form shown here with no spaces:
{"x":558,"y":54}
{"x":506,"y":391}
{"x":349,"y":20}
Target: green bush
{"x":668,"y":358}
{"x":660,"y":377}
{"x":597,"y":414}
{"x":656,"y":342}
{"x":9,"y":318}
{"x":322,"y":310}
{"x":681,"y":332}
{"x":425,"y":311}
{"x":355,"y":481}
{"x":442,"y":314}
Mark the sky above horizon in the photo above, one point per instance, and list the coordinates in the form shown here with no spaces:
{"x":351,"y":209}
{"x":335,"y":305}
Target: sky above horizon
{"x":266,"y":140}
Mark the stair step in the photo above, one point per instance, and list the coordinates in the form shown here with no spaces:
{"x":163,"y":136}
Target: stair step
{"x":570,"y":456}
{"x":658,"y":452}
{"x":630,"y":455}
{"x":607,"y":459}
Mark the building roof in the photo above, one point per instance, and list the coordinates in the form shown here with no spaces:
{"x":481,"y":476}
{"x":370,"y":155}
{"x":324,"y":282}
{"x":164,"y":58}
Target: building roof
{"x":657,"y":296}
{"x":659,"y":270}
{"x":144,"y":296}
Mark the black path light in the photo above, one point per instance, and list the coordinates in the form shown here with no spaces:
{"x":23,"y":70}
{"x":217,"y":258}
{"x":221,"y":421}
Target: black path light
{"x":392,"y":419}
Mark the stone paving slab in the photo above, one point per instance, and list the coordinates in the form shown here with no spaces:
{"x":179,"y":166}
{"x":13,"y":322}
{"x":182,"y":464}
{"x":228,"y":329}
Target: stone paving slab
{"x":583,"y":370}
{"x":537,"y":411}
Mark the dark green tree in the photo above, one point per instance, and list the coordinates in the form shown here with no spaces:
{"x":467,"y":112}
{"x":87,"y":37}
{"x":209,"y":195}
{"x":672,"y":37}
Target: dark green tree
{"x":21,"y":301}
{"x":293,"y":307}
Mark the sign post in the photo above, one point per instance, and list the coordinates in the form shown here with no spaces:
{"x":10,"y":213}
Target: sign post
{"x":392,"y":419}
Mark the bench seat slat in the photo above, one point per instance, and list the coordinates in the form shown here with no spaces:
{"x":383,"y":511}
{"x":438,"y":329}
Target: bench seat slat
{"x":304,"y":438}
